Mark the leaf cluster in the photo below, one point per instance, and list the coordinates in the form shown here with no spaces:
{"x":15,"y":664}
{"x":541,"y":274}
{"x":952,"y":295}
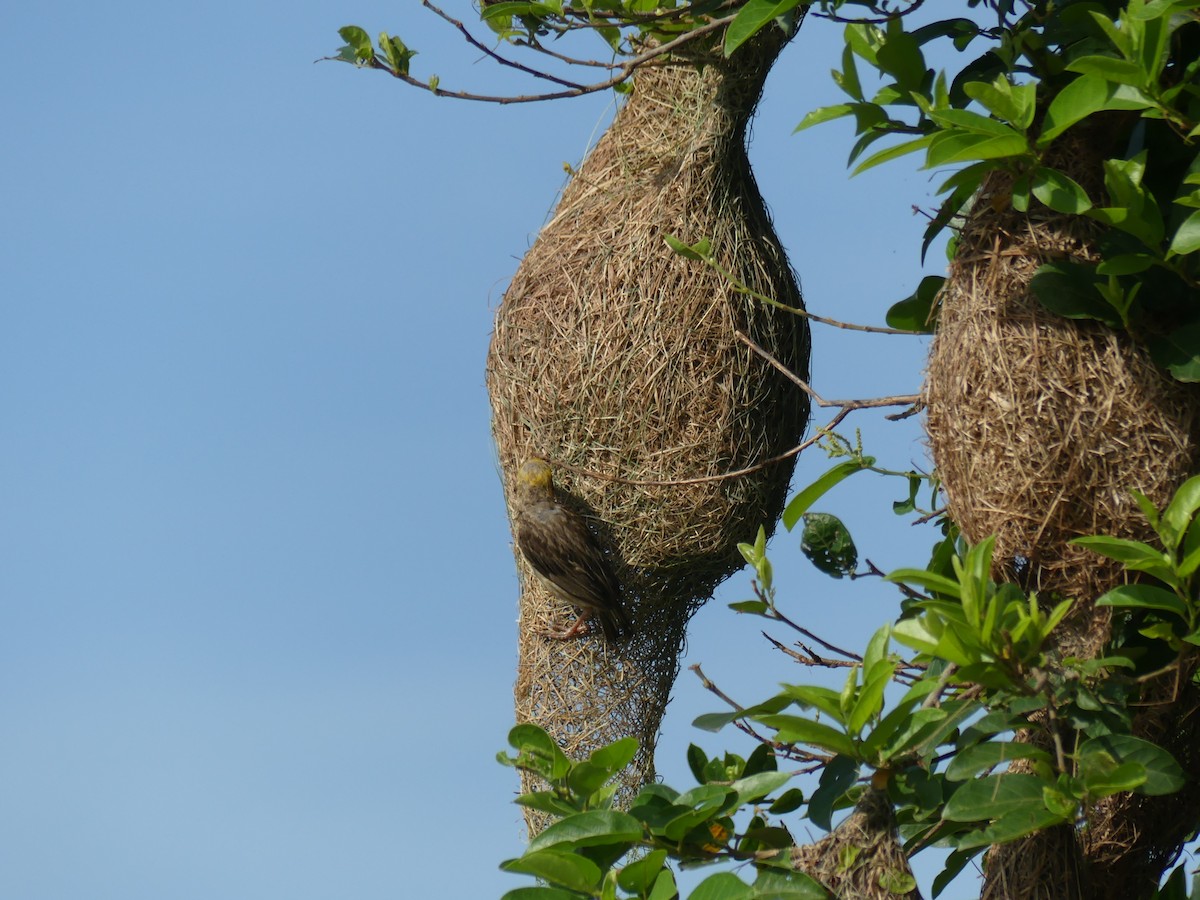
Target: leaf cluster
{"x":1042,"y":74}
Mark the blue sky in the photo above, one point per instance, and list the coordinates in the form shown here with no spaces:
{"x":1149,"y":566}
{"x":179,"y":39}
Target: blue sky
{"x":258,"y":597}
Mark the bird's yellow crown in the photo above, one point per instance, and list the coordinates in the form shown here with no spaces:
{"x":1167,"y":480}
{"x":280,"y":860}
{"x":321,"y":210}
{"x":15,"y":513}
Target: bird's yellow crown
{"x":536,"y":473}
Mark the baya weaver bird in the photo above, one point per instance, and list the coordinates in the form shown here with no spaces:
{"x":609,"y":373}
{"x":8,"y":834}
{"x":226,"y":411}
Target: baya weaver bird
{"x":564,"y":554}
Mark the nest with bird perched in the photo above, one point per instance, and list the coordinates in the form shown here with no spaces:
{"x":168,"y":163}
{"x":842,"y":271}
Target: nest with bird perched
{"x":620,"y":362}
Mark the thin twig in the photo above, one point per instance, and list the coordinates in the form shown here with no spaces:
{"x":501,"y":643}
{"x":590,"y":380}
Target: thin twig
{"x":898,"y":400}
{"x":748,"y":291}
{"x":623,"y":70}
{"x":724,"y":476}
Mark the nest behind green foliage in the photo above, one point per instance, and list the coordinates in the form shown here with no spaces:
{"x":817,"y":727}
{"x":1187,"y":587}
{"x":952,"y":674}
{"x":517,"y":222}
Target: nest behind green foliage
{"x":1040,"y":426}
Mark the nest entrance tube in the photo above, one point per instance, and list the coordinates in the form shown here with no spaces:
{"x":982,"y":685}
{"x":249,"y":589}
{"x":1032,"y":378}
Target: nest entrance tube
{"x":615,"y":356}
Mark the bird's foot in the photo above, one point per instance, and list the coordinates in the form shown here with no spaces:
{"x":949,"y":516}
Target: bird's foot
{"x":579,"y":628}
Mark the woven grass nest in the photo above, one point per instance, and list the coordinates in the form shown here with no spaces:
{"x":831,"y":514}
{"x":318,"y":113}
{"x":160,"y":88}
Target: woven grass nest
{"x":861,"y":859}
{"x":1040,"y":425}
{"x":614,"y":357}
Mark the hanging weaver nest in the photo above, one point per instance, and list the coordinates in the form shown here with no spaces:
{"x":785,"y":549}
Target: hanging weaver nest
{"x":1040,"y":425}
{"x":862,"y":858}
{"x":615,"y":356}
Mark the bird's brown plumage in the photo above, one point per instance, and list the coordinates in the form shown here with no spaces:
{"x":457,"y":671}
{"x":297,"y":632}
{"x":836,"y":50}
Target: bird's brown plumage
{"x":564,"y":553}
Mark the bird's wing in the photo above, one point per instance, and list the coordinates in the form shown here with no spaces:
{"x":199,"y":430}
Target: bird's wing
{"x":562,"y":550}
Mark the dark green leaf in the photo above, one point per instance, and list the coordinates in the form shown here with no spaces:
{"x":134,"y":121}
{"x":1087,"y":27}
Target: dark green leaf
{"x":916,"y":312}
{"x":1069,"y":290}
{"x":1144,"y":596}
{"x":1163,"y":773}
{"x":828,"y":545}
{"x":789,"y":801}
{"x":994,"y":796}
{"x":836,"y":778}
{"x":751,"y":18}
{"x":639,"y":876}
{"x":1179,"y":352}
{"x":901,"y":57}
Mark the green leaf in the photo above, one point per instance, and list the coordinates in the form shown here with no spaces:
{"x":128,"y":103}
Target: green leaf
{"x":1179,"y":513}
{"x":754,"y":607}
{"x":970,"y":761}
{"x":615,"y":756}
{"x":1133,"y":554}
{"x":597,"y":827}
{"x":1179,"y":352}
{"x":639,"y":876}
{"x":1059,"y":192}
{"x":836,"y":778}
{"x":870,"y":698}
{"x":890,"y":153}
{"x":994,"y":796}
{"x":789,"y":801}
{"x":1016,"y":824}
{"x":1187,"y":236}
{"x":701,"y":251}
{"x":751,"y":18}
{"x":847,"y":79}
{"x":558,"y":867}
{"x":800,"y":504}
{"x":956,"y":146}
{"x":816,"y":697}
{"x":1011,"y":103}
{"x":1163,"y":773}
{"x":824,"y":114}
{"x":1144,"y":596}
{"x":1014,"y":803}
{"x":1109,"y":68}
{"x":798,"y":730}
{"x":1069,"y":290}
{"x":1102,"y":776}
{"x":900,"y":56}
{"x":780,"y":884}
{"x":828,"y":545}
{"x":916,"y":312}
{"x":755,"y":787}
{"x":359,"y":41}
{"x":537,"y":751}
{"x":540,"y":893}
{"x":938,"y":584}
{"x":1084,"y":96}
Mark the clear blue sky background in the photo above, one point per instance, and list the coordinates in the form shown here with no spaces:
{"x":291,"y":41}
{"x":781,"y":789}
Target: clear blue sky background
{"x":258,"y":599}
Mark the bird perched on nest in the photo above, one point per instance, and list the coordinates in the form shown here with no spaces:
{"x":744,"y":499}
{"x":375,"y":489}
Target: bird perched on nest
{"x":564,"y":554}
